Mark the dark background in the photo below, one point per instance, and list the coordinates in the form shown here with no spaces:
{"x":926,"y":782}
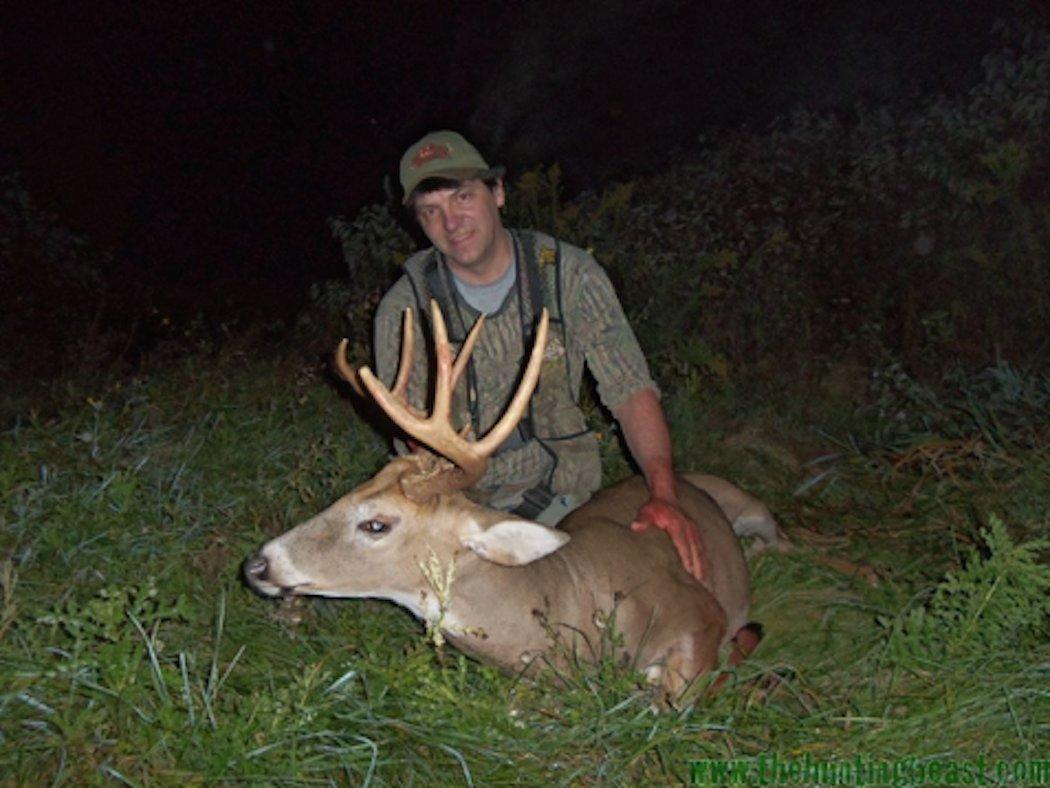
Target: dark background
{"x":204,"y":145}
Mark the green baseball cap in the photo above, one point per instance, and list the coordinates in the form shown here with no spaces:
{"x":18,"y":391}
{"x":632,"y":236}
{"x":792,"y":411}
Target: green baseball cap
{"x":443,"y":154}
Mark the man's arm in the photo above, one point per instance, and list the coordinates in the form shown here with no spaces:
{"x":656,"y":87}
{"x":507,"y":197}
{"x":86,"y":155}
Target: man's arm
{"x":625,"y":386}
{"x":644,"y":427}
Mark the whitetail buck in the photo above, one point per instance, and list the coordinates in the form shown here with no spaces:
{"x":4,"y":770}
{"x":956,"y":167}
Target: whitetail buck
{"x":498,"y":587}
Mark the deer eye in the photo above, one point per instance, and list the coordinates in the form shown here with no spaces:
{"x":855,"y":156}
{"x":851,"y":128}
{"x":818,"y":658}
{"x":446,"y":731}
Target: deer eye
{"x":373,"y":527}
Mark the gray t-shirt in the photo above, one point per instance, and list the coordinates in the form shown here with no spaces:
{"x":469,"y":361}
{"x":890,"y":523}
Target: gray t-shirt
{"x":487,"y":299}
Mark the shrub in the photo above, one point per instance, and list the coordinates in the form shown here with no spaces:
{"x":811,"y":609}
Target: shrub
{"x":998,"y":600}
{"x":53,"y":290}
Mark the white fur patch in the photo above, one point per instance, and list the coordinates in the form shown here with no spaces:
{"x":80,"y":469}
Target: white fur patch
{"x":747,"y":525}
{"x":513,"y":542}
{"x":281,"y":565}
{"x":421,"y":604}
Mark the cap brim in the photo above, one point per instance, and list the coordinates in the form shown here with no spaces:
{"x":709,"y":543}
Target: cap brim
{"x":458,"y":174}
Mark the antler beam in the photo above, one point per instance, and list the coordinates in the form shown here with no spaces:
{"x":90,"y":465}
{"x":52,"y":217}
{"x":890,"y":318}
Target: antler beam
{"x":436,"y":430}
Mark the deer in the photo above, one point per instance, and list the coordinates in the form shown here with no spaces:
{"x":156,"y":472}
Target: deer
{"x":503,"y":589}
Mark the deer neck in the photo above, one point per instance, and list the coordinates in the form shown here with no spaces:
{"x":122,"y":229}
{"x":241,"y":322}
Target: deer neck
{"x":502,"y":613}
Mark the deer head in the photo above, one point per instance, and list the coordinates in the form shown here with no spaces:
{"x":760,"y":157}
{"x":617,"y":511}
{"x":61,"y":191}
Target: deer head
{"x":373,"y":541}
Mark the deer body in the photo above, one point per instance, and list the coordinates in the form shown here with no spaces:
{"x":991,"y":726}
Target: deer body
{"x":509,"y":595}
{"x":672,"y":626}
{"x":502,"y":588}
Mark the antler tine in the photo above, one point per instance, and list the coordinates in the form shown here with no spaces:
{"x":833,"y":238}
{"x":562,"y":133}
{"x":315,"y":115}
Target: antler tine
{"x":436,"y":429}
{"x":443,"y":373}
{"x":466,"y":350}
{"x":399,"y":391}
{"x":516,"y":408}
{"x":404,"y":369}
{"x":400,"y":414}
{"x":348,"y":373}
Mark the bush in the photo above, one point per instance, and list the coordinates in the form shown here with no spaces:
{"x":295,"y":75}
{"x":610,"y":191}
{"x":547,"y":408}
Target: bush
{"x":374,"y":247}
{"x":998,"y":600}
{"x":53,"y":289}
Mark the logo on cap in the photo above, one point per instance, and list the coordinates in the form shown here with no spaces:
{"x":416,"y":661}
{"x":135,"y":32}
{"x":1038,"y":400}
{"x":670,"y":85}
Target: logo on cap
{"x":429,"y":152}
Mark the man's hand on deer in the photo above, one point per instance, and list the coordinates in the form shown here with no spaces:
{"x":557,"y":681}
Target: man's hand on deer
{"x":686,"y":535}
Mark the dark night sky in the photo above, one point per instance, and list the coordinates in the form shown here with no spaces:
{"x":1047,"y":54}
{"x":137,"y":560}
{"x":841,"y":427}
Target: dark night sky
{"x":205,"y":144}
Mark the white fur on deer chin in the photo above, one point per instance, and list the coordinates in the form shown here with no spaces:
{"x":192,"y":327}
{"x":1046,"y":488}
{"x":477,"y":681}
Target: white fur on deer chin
{"x":427,"y":608}
{"x":423,"y":605}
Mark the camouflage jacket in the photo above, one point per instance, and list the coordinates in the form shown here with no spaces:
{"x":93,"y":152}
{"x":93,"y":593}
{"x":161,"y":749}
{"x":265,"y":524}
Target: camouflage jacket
{"x":588,"y":327}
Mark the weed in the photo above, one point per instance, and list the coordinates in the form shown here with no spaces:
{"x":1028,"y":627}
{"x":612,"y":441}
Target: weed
{"x":995,"y":602}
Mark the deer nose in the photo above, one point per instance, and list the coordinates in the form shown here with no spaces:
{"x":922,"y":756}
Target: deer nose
{"x":256,"y":566}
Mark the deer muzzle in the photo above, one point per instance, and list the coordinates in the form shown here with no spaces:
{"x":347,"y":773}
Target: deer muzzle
{"x":257,"y":573}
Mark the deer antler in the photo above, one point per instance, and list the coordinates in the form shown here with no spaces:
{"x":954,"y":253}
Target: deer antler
{"x":404,"y":369}
{"x":436,"y":430}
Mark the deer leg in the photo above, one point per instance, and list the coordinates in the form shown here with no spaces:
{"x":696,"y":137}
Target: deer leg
{"x":743,"y":643}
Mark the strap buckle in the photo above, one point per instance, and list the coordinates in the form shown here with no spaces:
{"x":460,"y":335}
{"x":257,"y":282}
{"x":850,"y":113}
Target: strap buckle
{"x":533,"y":501}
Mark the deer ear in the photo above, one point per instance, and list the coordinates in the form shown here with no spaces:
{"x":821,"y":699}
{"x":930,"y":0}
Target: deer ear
{"x":514,"y":542}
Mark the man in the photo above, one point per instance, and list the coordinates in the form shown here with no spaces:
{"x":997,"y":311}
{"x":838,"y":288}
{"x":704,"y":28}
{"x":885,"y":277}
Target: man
{"x":551,"y":464}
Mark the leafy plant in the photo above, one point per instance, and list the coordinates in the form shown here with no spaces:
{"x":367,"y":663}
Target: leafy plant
{"x":997,"y":601}
{"x":115,"y":633}
{"x":373,"y":245}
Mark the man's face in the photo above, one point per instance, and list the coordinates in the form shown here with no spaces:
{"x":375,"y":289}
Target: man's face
{"x":464,"y":224}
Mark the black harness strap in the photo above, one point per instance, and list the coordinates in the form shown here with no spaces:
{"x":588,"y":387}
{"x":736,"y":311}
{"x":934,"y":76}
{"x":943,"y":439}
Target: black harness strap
{"x":538,"y":498}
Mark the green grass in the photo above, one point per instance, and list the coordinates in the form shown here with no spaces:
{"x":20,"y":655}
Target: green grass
{"x":130,"y":652}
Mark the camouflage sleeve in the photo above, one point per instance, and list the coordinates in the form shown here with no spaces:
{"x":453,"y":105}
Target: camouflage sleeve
{"x":386,"y":341}
{"x":596,"y":320}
